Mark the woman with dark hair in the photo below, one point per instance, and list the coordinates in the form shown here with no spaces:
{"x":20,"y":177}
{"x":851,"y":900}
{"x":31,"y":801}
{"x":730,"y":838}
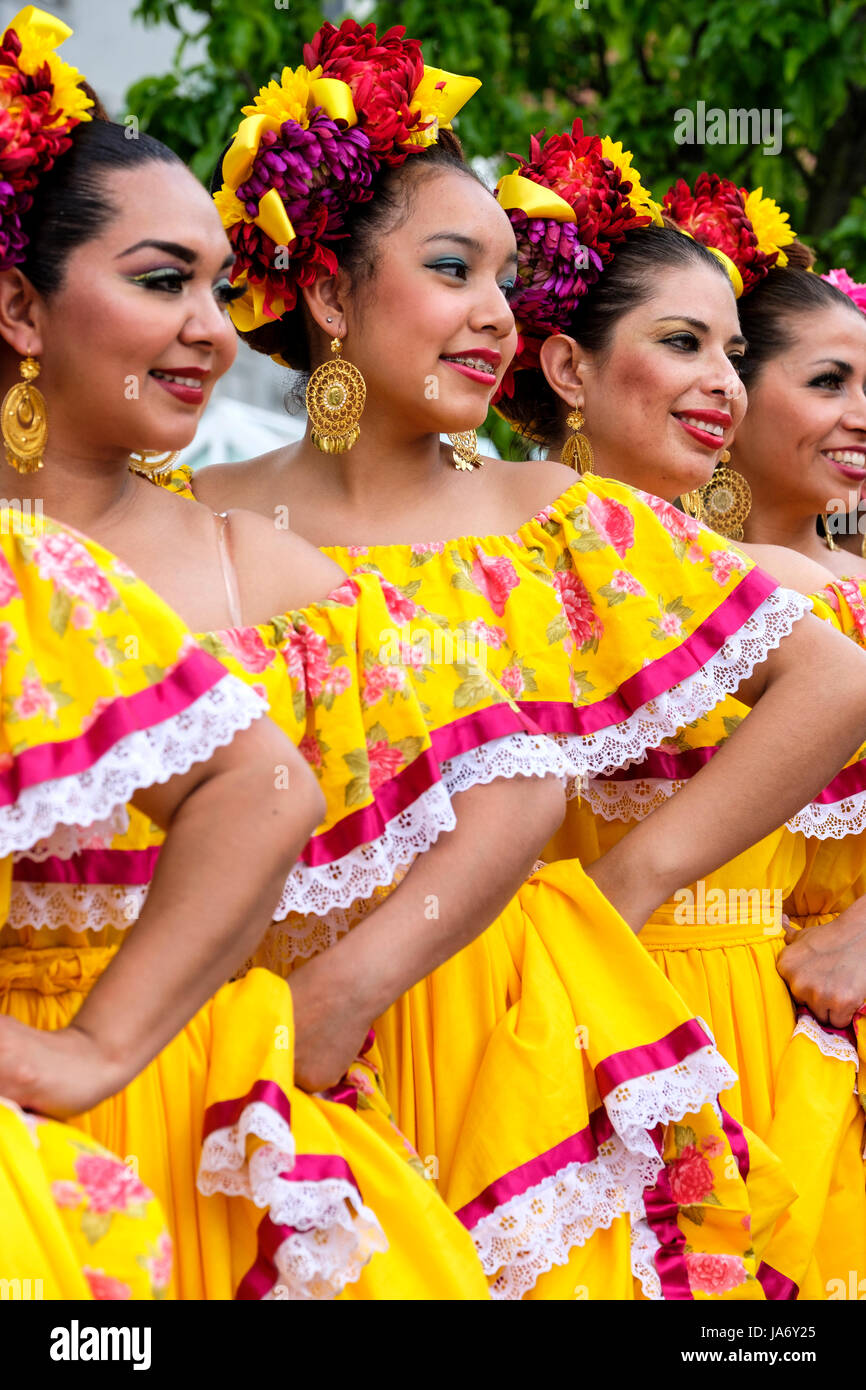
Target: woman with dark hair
{"x":653,"y":333}
{"x":371,"y":253}
{"x":113,"y":288}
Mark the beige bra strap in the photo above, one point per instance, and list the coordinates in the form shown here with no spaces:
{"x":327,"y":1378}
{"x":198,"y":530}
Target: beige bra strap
{"x":227,"y":564}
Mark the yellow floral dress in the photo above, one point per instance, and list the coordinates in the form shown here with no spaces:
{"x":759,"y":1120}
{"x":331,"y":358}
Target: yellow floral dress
{"x":547,"y":1075}
{"x":718,"y":942}
{"x":268,"y":1192}
{"x":103,"y":692}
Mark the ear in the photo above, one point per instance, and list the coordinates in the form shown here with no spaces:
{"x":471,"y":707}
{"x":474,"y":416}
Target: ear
{"x":325,"y":300}
{"x":20,"y":314}
{"x":564,"y":367}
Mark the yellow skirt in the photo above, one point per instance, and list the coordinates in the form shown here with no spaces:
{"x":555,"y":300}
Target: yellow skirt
{"x":566,"y":1099}
{"x":74,"y":1222}
{"x":268,"y":1192}
{"x":795,"y":1092}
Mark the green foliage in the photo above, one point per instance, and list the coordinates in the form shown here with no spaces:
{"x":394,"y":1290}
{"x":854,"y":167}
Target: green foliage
{"x":625,"y":66}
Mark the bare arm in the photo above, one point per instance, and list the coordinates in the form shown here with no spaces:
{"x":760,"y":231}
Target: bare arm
{"x":781,"y":756}
{"x":233,"y":834}
{"x":451,"y":894}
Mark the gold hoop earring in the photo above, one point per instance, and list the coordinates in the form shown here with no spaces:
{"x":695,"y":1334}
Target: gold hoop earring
{"x":693,"y":504}
{"x":577,"y":450}
{"x":336,"y":395}
{"x":466,"y":455}
{"x":23,"y":419}
{"x":726,"y":500}
{"x":152,"y":462}
{"x":828,"y":539}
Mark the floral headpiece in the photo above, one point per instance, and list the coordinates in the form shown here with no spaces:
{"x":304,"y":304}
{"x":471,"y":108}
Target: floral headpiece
{"x":841,"y":280}
{"x":40,"y":105}
{"x":309,"y":148}
{"x":746,"y":230}
{"x":570,"y":204}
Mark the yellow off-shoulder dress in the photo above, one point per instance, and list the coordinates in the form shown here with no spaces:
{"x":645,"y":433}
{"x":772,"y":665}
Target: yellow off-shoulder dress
{"x":547,"y":1074}
{"x":718,"y":942}
{"x":268,"y":1192}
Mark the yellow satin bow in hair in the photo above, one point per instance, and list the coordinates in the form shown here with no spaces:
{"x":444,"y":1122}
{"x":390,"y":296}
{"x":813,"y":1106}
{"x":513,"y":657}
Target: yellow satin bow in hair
{"x":439,"y":96}
{"x":516,"y":191}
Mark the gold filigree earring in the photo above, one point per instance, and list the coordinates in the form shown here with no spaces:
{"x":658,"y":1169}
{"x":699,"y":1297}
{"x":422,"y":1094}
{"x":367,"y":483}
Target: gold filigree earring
{"x":828,"y":537}
{"x":577,"y":450}
{"x":24,"y":420}
{"x":693,"y":504}
{"x":336,"y":395}
{"x":466,"y":455}
{"x":150,"y":463}
{"x":726,"y":499}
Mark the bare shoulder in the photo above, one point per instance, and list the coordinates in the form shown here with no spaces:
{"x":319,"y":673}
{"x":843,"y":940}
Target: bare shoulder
{"x":225,"y":485}
{"x":793,"y":570}
{"x":530,"y":484}
{"x":277,"y":569}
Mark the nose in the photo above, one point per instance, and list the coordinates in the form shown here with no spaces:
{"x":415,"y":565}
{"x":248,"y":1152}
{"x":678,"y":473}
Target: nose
{"x":491,"y":311}
{"x":854,"y":416}
{"x":207,"y":324}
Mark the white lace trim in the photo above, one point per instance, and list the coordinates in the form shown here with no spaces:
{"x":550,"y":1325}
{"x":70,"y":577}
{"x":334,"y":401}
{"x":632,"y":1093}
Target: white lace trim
{"x":840,"y":1049}
{"x":72,"y":839}
{"x":75,"y":907}
{"x":637,"y":798}
{"x":140,"y":759}
{"x":531,"y":1232}
{"x":334,"y":1234}
{"x":644,"y":1246}
{"x":601,"y":753}
{"x":324,"y":889}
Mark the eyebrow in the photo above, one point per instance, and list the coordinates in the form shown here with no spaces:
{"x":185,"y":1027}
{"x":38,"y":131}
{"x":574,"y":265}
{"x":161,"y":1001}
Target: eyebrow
{"x":171,"y":248}
{"x":469,"y":242}
{"x":701,"y":327}
{"x":835,"y":362}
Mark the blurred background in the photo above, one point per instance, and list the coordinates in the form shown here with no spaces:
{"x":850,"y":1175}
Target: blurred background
{"x":629,"y":68}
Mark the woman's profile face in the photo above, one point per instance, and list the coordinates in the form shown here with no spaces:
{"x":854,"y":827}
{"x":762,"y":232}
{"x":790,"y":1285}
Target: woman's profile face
{"x":137,"y":336}
{"x":665,"y":399}
{"x":432,"y":330}
{"x":803,"y":442}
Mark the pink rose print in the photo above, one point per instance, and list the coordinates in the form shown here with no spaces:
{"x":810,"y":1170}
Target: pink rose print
{"x":338,"y":680}
{"x":494,"y":636}
{"x":8,"y":583}
{"x":379,"y":679}
{"x":712,"y":1146}
{"x":357,"y":552}
{"x":546,"y":514}
{"x":624,"y":583}
{"x":66,"y":1194}
{"x":428,"y":548}
{"x":103,"y":655}
{"x":495,"y":578}
{"x":726,"y":563}
{"x":66,"y":562}
{"x":683,"y":527}
{"x":512,"y":679}
{"x":109,"y":1185}
{"x":307,"y":659}
{"x":160,"y":1266}
{"x":357,"y":1077}
{"x":400,"y":608}
{"x":691,"y":1177}
{"x":247,"y":647}
{"x":346,"y":594}
{"x":82,"y":618}
{"x":670,"y":625}
{"x":310,"y":750}
{"x":583,"y":620}
{"x":384,"y":762}
{"x":853,"y":597}
{"x":102,"y":1286}
{"x":715,"y":1273}
{"x":33,"y":700}
{"x":410,"y":655}
{"x":259,"y":689}
{"x":613,"y":521}
{"x":7,"y":641}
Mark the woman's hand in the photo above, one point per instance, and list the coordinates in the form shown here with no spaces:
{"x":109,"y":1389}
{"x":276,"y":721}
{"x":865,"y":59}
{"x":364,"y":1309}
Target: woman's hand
{"x":329,"y":1032}
{"x":58,"y":1073}
{"x":825,"y":966}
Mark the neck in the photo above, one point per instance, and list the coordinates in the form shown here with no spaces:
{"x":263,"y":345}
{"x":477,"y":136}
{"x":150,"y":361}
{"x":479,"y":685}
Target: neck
{"x":772,"y":522}
{"x":77,"y":490}
{"x":385,"y":466}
